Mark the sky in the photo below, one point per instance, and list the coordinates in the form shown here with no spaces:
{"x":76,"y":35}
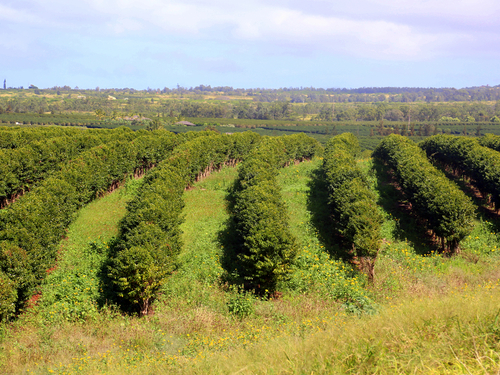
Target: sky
{"x":250,"y":43}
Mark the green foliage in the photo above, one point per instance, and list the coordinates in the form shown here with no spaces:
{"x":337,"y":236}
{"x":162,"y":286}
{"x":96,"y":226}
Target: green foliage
{"x":491,"y":141}
{"x":269,"y":247}
{"x":150,"y":231}
{"x":72,"y":296}
{"x":314,"y":271}
{"x":266,"y":247}
{"x":24,"y":167}
{"x":138,"y":273}
{"x":16,"y":137}
{"x":76,"y":289}
{"x":444,"y":207}
{"x":450,"y":119}
{"x":467,"y":157}
{"x":8,"y":297}
{"x":191,"y":317}
{"x":31,"y":227}
{"x":17,"y":265}
{"x":352,"y":203}
{"x":300,"y":147}
{"x":240,"y":303}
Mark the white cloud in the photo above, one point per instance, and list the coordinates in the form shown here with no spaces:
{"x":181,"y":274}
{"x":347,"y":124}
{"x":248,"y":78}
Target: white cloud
{"x":266,"y":24}
{"x":381,"y":29}
{"x":13,"y":15}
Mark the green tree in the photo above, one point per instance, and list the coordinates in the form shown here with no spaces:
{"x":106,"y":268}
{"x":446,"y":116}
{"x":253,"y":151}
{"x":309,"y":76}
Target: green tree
{"x":99,"y":113}
{"x":478,"y":130}
{"x":154,"y":124}
{"x":138,"y":274}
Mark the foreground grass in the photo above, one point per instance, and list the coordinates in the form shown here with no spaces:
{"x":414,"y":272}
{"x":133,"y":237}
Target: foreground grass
{"x":424,"y":314}
{"x":454,"y":334}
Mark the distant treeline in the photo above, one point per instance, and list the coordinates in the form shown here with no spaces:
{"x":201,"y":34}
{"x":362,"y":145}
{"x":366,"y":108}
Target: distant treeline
{"x":173,"y":109}
{"x":294,"y":94}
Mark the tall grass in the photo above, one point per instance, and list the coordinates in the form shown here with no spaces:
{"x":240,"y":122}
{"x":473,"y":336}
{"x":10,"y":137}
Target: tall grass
{"x":455,"y":334}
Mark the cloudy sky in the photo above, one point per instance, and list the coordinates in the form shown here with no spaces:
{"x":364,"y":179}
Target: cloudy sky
{"x":250,"y":43}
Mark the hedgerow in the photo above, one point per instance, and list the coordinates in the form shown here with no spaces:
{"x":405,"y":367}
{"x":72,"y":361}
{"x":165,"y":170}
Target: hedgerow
{"x":150,"y":235}
{"x":467,"y":157}
{"x":265,"y":246}
{"x":491,"y":141}
{"x":24,"y":167}
{"x":15,"y":137}
{"x":352,"y":204}
{"x":31,"y":227}
{"x":445,"y":209}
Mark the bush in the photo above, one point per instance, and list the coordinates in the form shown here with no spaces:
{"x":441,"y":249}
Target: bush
{"x":138,"y":272}
{"x":8,"y":297}
{"x":240,"y":303}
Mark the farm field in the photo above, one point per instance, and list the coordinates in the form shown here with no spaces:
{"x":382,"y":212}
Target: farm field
{"x":366,"y":113}
{"x":423,"y":313}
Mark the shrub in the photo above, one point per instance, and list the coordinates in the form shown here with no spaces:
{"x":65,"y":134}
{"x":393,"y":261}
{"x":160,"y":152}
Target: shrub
{"x":138,"y":272}
{"x":8,"y":297}
{"x":240,"y":303}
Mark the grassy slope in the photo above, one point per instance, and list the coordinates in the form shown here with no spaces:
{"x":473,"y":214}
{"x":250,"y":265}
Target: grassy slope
{"x":450,"y":335}
{"x":193,"y":331}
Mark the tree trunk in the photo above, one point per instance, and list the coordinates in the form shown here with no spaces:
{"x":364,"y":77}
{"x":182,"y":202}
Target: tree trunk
{"x":368,"y":267}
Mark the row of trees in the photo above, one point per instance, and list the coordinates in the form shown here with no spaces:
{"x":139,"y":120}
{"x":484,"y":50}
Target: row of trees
{"x":298,"y":94}
{"x":276,"y":109}
{"x":23,"y":168}
{"x":465,"y":156}
{"x":352,"y":204}
{"x":150,"y":235}
{"x":14,"y":137}
{"x":149,"y":238}
{"x":264,"y":245}
{"x":445,"y":209}
{"x":466,"y":112}
{"x":491,"y":141}
{"x":31,"y":227}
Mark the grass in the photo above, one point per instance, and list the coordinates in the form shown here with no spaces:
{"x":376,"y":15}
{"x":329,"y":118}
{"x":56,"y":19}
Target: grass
{"x":455,"y":334}
{"x":319,"y":267}
{"x":424,"y":314}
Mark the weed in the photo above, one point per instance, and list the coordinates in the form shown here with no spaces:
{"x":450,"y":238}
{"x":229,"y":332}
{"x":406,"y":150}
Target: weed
{"x":241,"y":303}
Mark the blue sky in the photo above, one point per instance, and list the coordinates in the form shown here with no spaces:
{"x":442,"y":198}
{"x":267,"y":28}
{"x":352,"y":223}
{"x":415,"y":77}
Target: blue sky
{"x":252,"y":43}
